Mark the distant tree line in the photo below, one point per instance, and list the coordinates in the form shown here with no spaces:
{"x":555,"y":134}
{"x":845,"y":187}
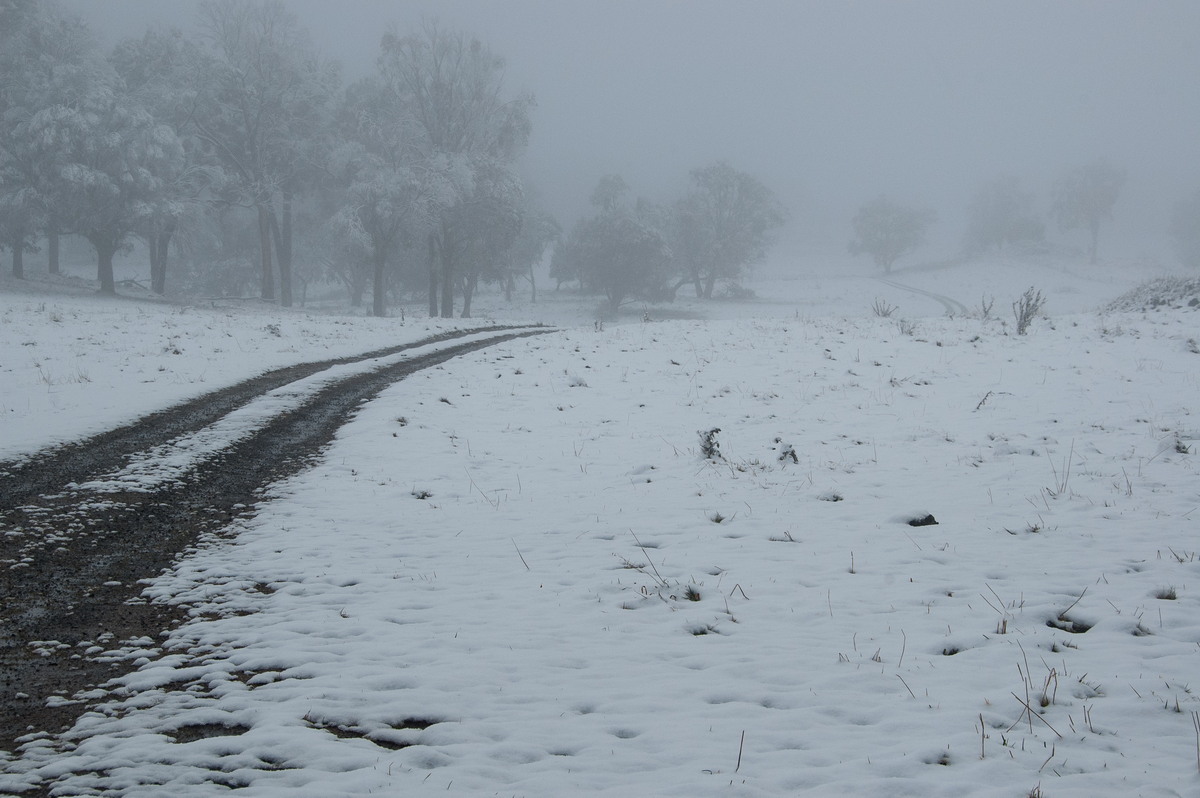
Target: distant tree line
{"x":244,"y":164}
{"x":638,"y":249}
{"x":1001,"y":216}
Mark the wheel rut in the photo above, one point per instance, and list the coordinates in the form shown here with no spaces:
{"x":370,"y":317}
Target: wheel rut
{"x":952,"y":306}
{"x":72,"y":559}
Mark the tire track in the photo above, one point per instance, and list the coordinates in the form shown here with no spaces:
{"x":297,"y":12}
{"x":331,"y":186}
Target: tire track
{"x":71,"y":559}
{"x":42,"y":472}
{"x":953,"y":306}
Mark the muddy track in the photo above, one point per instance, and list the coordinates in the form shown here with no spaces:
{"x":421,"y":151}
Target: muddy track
{"x":71,"y":559}
{"x":108,"y":451}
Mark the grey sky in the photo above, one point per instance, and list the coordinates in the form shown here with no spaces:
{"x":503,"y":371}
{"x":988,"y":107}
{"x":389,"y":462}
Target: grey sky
{"x":830,"y":103}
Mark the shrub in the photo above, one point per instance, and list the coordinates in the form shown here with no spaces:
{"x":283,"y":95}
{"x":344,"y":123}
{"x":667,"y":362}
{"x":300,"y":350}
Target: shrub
{"x":1026,"y":309}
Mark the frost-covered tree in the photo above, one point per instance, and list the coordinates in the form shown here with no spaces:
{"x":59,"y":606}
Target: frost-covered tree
{"x":480,"y":228}
{"x":262,"y":112}
{"x":609,"y":193}
{"x":1084,"y":197}
{"x":113,"y":166}
{"x":394,"y":191}
{"x":160,"y":71}
{"x":539,"y":231}
{"x":1185,"y":230}
{"x":620,"y":252}
{"x":453,"y":89}
{"x":1001,"y":214}
{"x":45,"y":60}
{"x":724,"y":225}
{"x":887,"y":230}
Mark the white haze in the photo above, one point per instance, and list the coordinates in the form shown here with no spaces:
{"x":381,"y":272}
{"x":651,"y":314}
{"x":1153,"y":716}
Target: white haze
{"x":828,"y":103}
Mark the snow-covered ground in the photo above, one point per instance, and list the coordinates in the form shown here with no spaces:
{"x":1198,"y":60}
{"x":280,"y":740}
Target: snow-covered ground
{"x":517,"y":574}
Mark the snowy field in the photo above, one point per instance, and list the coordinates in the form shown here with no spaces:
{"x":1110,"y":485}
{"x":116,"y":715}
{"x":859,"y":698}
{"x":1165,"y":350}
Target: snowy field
{"x":518,"y":574}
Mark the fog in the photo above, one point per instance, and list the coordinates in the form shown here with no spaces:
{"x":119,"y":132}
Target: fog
{"x":829,"y":104}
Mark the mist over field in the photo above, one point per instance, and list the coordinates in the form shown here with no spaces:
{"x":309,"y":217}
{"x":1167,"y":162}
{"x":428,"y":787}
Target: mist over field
{"x":618,"y":398}
{"x":966,"y":115}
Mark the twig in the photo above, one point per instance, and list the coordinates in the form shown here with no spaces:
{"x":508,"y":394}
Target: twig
{"x":903,"y":646}
{"x":519,"y":554}
{"x":982,"y":737}
{"x":984,"y":399}
{"x":741,"y":745}
{"x":906,"y":687}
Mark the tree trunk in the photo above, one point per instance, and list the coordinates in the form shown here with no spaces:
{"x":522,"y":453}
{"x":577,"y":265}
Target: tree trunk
{"x":52,"y":249}
{"x":709,"y":283}
{"x":18,"y":252}
{"x":614,"y":303}
{"x":378,"y":306}
{"x":159,"y":244}
{"x":509,"y":279}
{"x":282,"y":231}
{"x":468,"y":291}
{"x":152,"y":248}
{"x":164,"y":247}
{"x":532,"y":286}
{"x":1095,"y":230}
{"x":264,"y":243}
{"x":447,"y":274}
{"x":104,"y":265}
{"x":433,"y":276}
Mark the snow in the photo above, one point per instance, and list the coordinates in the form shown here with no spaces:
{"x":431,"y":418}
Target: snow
{"x":515,"y":574}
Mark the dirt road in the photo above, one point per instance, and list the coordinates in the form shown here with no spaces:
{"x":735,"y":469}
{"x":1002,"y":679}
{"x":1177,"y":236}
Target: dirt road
{"x":71,"y":558}
{"x":953,"y":306}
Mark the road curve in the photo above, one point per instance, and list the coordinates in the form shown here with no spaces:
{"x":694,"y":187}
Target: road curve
{"x":71,"y":558}
{"x":953,"y":306}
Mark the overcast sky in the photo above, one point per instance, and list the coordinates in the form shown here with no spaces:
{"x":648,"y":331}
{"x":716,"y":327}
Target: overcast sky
{"x":829,"y":103}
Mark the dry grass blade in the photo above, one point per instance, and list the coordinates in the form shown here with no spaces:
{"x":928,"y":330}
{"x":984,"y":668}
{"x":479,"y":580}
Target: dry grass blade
{"x":657,"y":575}
{"x":1029,"y":711}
